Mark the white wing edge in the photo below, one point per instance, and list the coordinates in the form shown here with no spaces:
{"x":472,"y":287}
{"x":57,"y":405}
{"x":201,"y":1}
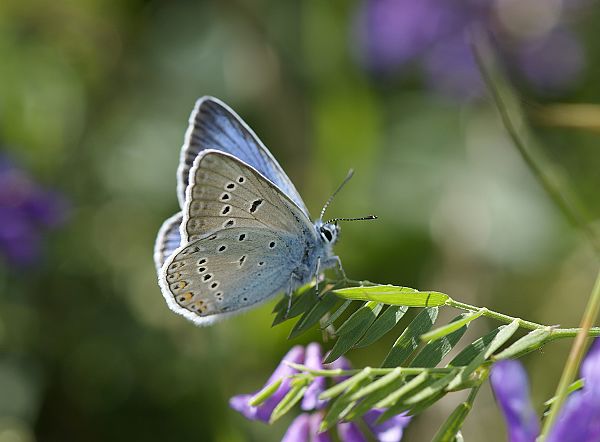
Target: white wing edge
{"x":160,"y":237}
{"x":202,"y":321}
{"x":188,"y":191}
{"x":187,"y":140}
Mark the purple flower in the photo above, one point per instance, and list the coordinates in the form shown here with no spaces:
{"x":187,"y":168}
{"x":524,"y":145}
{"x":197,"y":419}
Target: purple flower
{"x":388,"y":431}
{"x":579,"y":419}
{"x":311,"y":400}
{"x":283,"y":372}
{"x":26,"y":210}
{"x":305,"y":428}
{"x":391,"y":34}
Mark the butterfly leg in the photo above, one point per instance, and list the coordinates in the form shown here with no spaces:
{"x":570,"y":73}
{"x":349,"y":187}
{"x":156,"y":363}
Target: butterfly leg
{"x":290,"y":293}
{"x":338,"y":261}
{"x":317,"y":277}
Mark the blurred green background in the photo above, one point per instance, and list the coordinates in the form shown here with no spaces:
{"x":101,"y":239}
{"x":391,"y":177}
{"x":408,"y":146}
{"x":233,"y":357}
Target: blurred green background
{"x":94,"y":101}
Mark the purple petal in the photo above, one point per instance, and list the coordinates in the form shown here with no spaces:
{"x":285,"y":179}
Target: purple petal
{"x":299,"y":430}
{"x":390,"y":430}
{"x":349,"y":432}
{"x":579,"y":420}
{"x":315,"y":423}
{"x":392,"y":32}
{"x":313,"y":360}
{"x":590,"y":369}
{"x":509,"y":382}
{"x":264,"y":410}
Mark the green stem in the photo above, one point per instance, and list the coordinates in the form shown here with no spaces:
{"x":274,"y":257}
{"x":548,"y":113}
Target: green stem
{"x":516,"y":129}
{"x":575,"y":356}
{"x":557,"y":333}
{"x":408,"y":371}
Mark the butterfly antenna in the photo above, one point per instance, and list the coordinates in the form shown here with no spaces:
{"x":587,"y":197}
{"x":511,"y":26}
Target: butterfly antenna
{"x":362,"y":218}
{"x":350,"y":173}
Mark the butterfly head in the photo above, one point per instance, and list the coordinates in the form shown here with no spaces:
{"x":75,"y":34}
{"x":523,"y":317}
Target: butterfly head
{"x":329,"y":232}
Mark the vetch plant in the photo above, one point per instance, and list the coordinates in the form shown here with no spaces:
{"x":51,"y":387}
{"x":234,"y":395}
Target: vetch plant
{"x":383,"y":398}
{"x":290,"y":384}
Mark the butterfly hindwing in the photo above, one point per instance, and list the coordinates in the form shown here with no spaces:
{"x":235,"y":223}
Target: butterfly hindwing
{"x":167,"y":240}
{"x":213,"y":125}
{"x":224,"y":193}
{"x":230,"y":271}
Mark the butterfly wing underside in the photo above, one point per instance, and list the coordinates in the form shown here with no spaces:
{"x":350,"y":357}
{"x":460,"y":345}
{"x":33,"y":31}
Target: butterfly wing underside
{"x":167,"y":240}
{"x":213,"y":125}
{"x":242,"y":241}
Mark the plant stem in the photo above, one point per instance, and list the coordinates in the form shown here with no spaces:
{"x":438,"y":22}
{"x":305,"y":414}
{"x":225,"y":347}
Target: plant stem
{"x":575,"y":356}
{"x":517,"y":130}
{"x":557,"y":333}
{"x":408,"y":371}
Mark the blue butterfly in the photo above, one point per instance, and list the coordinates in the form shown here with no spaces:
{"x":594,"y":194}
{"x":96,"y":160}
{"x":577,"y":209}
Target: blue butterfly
{"x":243,"y":234}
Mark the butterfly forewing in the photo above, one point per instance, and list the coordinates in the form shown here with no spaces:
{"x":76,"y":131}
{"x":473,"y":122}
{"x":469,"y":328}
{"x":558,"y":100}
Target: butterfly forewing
{"x":167,"y":240}
{"x":229,"y":271}
{"x":213,"y":125}
{"x":226,"y":193}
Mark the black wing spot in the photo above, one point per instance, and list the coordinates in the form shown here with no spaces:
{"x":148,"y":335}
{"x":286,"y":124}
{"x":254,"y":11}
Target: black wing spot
{"x":202,"y":261}
{"x":255,"y":205}
{"x":229,"y":223}
{"x":225,"y":210}
{"x":262,"y":263}
{"x":230,"y":186}
{"x":210,"y":238}
{"x":222,"y":248}
{"x":242,"y":259}
{"x":225,"y":196}
{"x":202,"y":270}
{"x":214,"y":285}
{"x":245,"y":299}
{"x":241,"y":179}
{"x":272,"y":244}
{"x":207,"y":276}
{"x":242,"y":237}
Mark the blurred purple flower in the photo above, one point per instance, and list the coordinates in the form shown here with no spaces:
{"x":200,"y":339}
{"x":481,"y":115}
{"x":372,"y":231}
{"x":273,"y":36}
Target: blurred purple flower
{"x":283,"y":372}
{"x":311,"y":400}
{"x":390,"y":34}
{"x":26,"y":209}
{"x":579,"y":419}
{"x":305,"y":428}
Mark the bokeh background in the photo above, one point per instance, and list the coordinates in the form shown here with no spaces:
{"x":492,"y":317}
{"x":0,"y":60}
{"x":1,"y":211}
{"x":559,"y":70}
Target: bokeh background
{"x":94,"y":101}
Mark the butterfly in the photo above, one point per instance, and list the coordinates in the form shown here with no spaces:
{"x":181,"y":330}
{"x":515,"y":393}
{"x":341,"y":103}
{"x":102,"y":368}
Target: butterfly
{"x":243,"y":234}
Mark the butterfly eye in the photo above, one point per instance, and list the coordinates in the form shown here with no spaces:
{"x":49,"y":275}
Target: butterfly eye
{"x":327,"y":234}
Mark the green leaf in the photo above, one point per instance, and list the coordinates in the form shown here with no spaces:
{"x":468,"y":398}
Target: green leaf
{"x":527,"y":343}
{"x":312,"y":316}
{"x":504,"y":335}
{"x":383,"y":324}
{"x":369,"y":402}
{"x":338,"y":389}
{"x":432,"y":389}
{"x":496,"y":338}
{"x":394,"y":295}
{"x":434,"y":352}
{"x":298,"y":387}
{"x":341,"y":309}
{"x":383,"y":381}
{"x":353,"y":329}
{"x":265,"y":393}
{"x":452,"y":425}
{"x":474,"y":349}
{"x":577,"y":385}
{"x":409,"y":339}
{"x":341,"y":406}
{"x":411,"y":385}
{"x":302,"y":301}
{"x":452,"y":326}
